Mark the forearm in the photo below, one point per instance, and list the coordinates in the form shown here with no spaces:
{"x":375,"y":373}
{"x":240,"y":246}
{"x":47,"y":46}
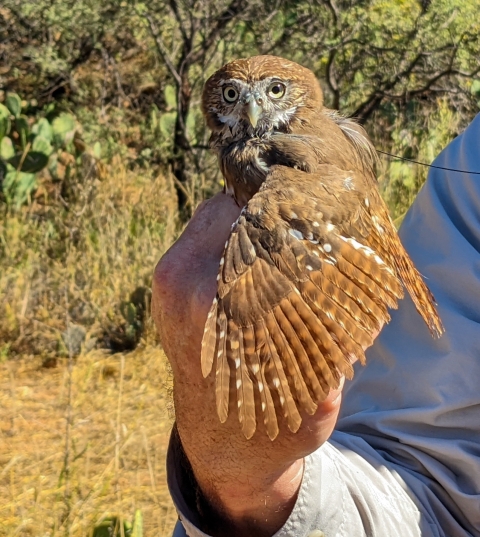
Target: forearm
{"x":239,"y":505}
{"x":240,"y":485}
{"x":244,"y":484}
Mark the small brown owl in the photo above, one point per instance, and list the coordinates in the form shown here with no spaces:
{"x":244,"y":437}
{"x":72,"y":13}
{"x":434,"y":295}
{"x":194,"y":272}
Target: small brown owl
{"x":313,"y":262}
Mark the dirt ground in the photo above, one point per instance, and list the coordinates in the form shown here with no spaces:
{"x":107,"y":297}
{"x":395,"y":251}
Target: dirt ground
{"x":65,"y":466}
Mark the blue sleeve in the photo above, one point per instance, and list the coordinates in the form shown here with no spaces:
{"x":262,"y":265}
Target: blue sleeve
{"x":418,"y":400}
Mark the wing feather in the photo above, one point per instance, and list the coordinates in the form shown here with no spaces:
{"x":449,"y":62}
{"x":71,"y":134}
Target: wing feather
{"x":293,"y":347}
{"x":298,"y":379}
{"x":210,"y":338}
{"x":263,"y":390}
{"x":275,"y":374}
{"x":300,"y":296}
{"x":243,"y":382}
{"x":223,"y":370}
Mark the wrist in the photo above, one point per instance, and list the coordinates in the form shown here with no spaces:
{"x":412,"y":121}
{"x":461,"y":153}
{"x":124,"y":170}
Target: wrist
{"x":243,"y":488}
{"x":249,"y":503}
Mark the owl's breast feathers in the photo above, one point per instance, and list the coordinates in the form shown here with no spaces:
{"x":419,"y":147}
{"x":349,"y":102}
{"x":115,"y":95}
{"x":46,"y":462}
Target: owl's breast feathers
{"x":327,"y":139}
{"x":244,"y":167}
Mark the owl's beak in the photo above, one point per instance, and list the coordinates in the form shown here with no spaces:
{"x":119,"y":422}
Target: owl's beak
{"x":254,"y":110}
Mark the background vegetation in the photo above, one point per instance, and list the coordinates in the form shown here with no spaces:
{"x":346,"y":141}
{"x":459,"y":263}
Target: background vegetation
{"x":102,"y":160}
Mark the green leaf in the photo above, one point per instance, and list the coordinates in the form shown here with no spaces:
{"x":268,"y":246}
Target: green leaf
{"x":3,"y":172}
{"x":32,"y":163}
{"x":129,"y":312}
{"x":6,"y":148}
{"x":170,"y":94}
{"x":50,"y":108}
{"x":409,"y":181}
{"x":21,"y":126}
{"x":43,"y":128}
{"x":97,"y":150}
{"x":154,"y":115}
{"x":64,"y":127}
{"x":167,"y":124}
{"x":53,"y":166}
{"x":192,"y":122}
{"x":18,"y":187}
{"x":138,"y":524}
{"x":14,"y":104}
{"x":475,"y":89}
{"x":112,"y":527}
{"x":4,"y":121}
{"x":42,"y":145}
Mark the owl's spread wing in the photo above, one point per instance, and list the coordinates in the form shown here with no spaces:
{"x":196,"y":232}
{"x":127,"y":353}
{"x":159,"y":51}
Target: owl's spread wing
{"x":300,"y":295}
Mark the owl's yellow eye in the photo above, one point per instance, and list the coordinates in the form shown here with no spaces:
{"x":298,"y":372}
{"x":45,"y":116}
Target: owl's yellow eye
{"x":230,"y":94}
{"x":276,"y":90}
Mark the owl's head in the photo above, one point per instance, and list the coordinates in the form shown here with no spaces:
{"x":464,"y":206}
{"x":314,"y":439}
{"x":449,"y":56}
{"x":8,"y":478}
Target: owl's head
{"x":254,"y":96}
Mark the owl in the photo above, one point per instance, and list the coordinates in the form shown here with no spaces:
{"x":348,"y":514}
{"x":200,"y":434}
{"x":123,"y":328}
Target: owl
{"x":313,"y":263}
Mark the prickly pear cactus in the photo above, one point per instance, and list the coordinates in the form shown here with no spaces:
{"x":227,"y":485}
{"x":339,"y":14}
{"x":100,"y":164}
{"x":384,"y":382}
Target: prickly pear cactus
{"x":28,"y":146}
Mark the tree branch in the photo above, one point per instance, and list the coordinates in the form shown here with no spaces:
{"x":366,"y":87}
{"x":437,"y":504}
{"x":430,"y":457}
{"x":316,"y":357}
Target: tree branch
{"x":162,"y":49}
{"x":181,"y":23}
{"x":232,"y":10}
{"x":365,"y":110}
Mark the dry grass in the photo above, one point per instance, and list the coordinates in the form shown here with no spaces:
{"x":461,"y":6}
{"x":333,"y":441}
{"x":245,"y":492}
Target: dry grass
{"x":120,"y":423}
{"x":91,"y":256}
{"x":82,"y":442}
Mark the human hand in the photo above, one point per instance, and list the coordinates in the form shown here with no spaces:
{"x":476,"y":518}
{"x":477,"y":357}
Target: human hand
{"x":248,"y":483}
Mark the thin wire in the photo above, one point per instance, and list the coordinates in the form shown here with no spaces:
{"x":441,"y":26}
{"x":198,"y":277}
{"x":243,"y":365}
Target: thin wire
{"x":425,"y":164}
